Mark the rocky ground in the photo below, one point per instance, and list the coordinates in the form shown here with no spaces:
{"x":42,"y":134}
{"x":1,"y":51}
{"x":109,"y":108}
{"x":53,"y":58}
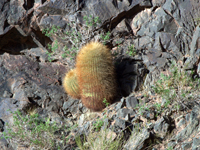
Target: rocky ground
{"x":155,"y":47}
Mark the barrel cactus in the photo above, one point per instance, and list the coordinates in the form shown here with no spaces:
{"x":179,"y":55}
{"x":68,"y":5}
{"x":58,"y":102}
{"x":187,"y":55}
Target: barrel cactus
{"x":96,"y":75}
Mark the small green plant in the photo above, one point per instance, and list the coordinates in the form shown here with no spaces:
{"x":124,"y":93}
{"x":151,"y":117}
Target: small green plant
{"x":158,"y":107}
{"x":175,"y":85}
{"x":81,"y":142}
{"x":50,"y":31}
{"x":142,"y":108}
{"x":117,"y":51}
{"x":118,"y":42}
{"x":170,"y":148}
{"x":137,"y":128}
{"x":105,"y":38}
{"x":30,"y":130}
{"x":69,"y":136}
{"x":197,"y":20}
{"x":131,"y":50}
{"x":98,"y":124}
{"x":91,"y":21}
{"x":52,"y":49}
{"x":75,"y":35}
{"x":75,"y":38}
{"x":105,"y":102}
{"x":101,"y":140}
{"x":167,"y":103}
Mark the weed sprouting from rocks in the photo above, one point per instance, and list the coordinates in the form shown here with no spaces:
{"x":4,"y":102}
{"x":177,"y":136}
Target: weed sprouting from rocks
{"x":31,"y":130}
{"x":175,"y":86}
{"x":101,"y":140}
{"x":131,"y":50}
{"x":74,"y":36}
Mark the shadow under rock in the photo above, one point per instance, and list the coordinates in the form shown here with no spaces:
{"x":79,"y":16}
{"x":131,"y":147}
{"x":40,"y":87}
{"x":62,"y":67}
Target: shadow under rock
{"x":130,"y":74}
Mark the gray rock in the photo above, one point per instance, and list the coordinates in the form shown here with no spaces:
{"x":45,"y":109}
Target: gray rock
{"x":153,"y":58}
{"x":121,"y":104}
{"x":84,"y":130}
{"x":122,"y":113}
{"x":170,"y":6}
{"x":187,"y":117}
{"x":131,"y":102}
{"x":48,"y":21}
{"x":121,"y":29}
{"x":106,"y":124}
{"x":169,"y":36}
{"x":39,"y":53}
{"x":194,"y":49}
{"x":171,"y":144}
{"x":143,"y":42}
{"x":71,"y":106}
{"x":194,"y":114}
{"x":68,"y":104}
{"x":167,"y":43}
{"x":61,"y":7}
{"x":185,"y":23}
{"x":7,"y":94}
{"x":196,"y":144}
{"x":27,"y":80}
{"x":149,"y":114}
{"x":16,"y":13}
{"x":167,"y":31}
{"x":8,"y":106}
{"x":154,"y":25}
{"x":186,"y":145}
{"x":87,"y":117}
{"x":81,"y":120}
{"x":4,"y":145}
{"x":187,"y":131}
{"x":161,"y":127}
{"x":181,"y":123}
{"x":138,"y":140}
{"x":120,"y":123}
{"x":119,"y":9}
{"x":56,"y":118}
{"x":52,"y":106}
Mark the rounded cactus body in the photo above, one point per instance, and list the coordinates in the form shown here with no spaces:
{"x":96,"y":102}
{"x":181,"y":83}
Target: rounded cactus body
{"x":96,"y":75}
{"x":70,"y":84}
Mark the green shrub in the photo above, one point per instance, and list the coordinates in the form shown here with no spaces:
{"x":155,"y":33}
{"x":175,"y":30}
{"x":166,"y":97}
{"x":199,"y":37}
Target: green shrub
{"x":31,"y":130}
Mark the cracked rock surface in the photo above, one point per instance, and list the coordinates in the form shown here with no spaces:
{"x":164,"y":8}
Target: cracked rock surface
{"x":152,"y":43}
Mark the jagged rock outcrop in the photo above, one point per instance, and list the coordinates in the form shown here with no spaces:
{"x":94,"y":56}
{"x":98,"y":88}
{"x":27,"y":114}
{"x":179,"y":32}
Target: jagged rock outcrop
{"x":145,"y":37}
